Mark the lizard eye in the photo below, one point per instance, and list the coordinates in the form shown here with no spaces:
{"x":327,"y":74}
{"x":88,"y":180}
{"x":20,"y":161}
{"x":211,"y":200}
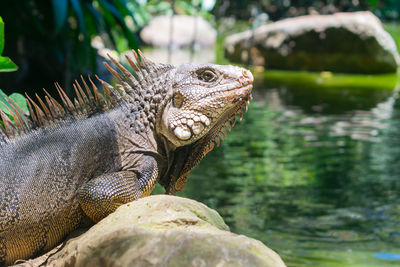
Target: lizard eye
{"x":207,"y":76}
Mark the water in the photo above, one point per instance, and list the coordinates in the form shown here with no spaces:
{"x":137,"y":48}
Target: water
{"x":313,"y":172}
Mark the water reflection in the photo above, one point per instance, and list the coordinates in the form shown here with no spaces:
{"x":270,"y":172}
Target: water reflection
{"x":312,"y":173}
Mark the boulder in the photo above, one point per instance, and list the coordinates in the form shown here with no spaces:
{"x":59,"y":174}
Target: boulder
{"x":163,"y":230}
{"x":343,"y":42}
{"x":176,"y":56}
{"x":185,"y":31}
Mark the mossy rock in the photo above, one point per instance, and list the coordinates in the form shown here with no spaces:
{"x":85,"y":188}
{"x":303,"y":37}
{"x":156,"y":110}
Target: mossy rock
{"x":352,"y":42}
{"x":163,"y":230}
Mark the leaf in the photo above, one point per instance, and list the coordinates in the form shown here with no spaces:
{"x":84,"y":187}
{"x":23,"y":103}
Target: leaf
{"x":373,"y":3}
{"x":112,"y":14}
{"x":114,"y":11}
{"x":60,"y":12}
{"x":1,"y":35}
{"x":6,"y":65}
{"x":107,"y":15}
{"x":122,"y":7}
{"x":79,"y":13}
{"x":96,"y":15}
{"x":140,"y":14}
{"x":90,"y":22}
{"x":3,"y":97}
{"x":185,"y":8}
{"x":18,"y":98}
{"x":21,"y":101}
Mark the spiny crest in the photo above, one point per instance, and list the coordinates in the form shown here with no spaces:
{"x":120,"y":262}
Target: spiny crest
{"x":49,"y":110}
{"x":139,"y":88}
{"x":143,"y":88}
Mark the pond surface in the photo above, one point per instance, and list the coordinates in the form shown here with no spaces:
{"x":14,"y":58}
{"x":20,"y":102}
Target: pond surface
{"x":313,"y":172}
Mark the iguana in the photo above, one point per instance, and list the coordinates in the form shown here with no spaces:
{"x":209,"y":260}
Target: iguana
{"x":73,"y":160}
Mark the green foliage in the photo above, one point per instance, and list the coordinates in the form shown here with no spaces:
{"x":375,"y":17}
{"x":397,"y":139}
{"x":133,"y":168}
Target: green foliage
{"x":186,"y":7}
{"x":181,"y":7}
{"x":18,"y":98}
{"x":159,"y":7}
{"x":6,"y":64}
{"x":84,"y":19}
{"x":394,"y":30}
{"x":60,"y":7}
{"x":55,"y":37}
{"x":140,"y":13}
{"x":385,"y":9}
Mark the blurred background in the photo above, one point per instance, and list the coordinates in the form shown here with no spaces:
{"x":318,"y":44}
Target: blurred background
{"x":312,"y":170}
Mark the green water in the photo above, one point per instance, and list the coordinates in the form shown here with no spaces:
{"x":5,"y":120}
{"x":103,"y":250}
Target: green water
{"x":313,"y":170}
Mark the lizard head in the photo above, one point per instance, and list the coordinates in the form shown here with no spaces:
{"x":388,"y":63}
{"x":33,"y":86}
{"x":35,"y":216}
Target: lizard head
{"x":204,"y":98}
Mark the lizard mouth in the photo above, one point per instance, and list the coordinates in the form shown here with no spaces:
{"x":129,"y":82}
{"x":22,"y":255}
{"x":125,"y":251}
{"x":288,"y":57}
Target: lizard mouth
{"x":240,"y":98}
{"x":215,"y":135}
{"x":240,"y":90}
{"x":242,"y":93}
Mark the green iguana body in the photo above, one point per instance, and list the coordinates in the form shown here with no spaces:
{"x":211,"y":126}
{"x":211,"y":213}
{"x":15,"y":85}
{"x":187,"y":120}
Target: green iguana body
{"x":85,"y":158}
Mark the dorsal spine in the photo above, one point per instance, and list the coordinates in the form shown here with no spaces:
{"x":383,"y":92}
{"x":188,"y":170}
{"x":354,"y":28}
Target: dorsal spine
{"x":140,"y":88}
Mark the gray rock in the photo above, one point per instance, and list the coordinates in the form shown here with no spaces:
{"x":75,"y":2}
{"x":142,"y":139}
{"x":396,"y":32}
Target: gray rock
{"x":343,"y":42}
{"x":177,"y":56}
{"x":163,"y":231}
{"x":185,"y":30}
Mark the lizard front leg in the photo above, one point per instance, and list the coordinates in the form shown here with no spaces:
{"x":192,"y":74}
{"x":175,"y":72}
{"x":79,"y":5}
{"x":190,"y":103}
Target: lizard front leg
{"x":104,"y":194}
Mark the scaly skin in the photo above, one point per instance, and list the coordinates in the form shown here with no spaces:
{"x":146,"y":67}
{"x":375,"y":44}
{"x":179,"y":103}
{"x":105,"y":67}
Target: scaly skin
{"x":62,"y":171}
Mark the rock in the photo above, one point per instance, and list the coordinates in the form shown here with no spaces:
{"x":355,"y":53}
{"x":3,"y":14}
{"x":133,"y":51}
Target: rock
{"x":163,"y":230}
{"x":177,"y":56}
{"x":343,"y":42}
{"x":157,"y":32}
